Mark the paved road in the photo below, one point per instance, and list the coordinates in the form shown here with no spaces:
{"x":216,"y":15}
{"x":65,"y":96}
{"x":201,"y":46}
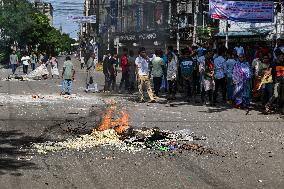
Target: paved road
{"x":249,"y":146}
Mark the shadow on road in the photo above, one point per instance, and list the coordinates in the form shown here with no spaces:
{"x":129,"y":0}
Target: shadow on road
{"x":12,"y":157}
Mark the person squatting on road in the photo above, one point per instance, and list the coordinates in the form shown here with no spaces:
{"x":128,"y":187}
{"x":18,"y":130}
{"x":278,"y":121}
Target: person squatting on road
{"x":142,"y":63}
{"x":68,"y":75}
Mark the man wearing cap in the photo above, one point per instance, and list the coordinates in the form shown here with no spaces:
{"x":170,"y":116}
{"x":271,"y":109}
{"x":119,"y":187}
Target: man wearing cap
{"x":142,"y":63}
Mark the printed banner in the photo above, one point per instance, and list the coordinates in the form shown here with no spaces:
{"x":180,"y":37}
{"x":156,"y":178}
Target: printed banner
{"x":83,"y":19}
{"x":242,"y":11}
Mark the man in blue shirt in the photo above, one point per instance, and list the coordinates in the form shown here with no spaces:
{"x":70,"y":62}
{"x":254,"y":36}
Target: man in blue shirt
{"x":186,"y":66}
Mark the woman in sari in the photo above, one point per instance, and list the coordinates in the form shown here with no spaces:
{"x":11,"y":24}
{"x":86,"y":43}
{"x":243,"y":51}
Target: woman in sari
{"x":241,"y":79}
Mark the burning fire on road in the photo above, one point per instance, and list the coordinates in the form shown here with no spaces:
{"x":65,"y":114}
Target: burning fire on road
{"x":118,"y":134}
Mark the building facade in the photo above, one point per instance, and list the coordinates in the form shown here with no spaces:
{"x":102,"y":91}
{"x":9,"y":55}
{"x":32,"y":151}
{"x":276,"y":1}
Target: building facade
{"x":154,"y":24}
{"x":160,"y":23}
{"x":45,"y":8}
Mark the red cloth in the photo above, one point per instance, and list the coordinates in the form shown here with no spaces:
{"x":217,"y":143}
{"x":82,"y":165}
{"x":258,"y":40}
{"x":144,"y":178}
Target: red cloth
{"x":124,"y":63}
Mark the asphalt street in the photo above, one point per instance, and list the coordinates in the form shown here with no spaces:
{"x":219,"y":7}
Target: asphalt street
{"x":248,"y":146}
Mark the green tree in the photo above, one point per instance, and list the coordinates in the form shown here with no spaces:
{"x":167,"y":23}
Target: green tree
{"x":14,"y":20}
{"x":20,"y":23}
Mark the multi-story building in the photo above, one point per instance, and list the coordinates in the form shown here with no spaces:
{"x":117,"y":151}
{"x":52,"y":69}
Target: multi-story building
{"x":45,"y":8}
{"x":157,"y":23}
{"x":153,"y":24}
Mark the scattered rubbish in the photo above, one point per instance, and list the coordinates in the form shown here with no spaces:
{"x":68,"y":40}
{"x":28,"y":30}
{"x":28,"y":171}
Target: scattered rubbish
{"x":199,"y":138}
{"x":73,"y":113}
{"x":165,"y":149}
{"x":37,"y":97}
{"x":108,"y":158}
{"x":16,"y":78}
{"x":199,"y":149}
{"x":260,"y":181}
{"x":183,"y":135}
{"x":115,"y":132}
{"x":132,"y":140}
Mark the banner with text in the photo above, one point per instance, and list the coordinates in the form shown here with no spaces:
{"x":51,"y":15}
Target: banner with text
{"x":242,"y":11}
{"x":83,"y":19}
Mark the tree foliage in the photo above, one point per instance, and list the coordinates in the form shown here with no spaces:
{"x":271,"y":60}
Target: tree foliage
{"x":22,"y":24}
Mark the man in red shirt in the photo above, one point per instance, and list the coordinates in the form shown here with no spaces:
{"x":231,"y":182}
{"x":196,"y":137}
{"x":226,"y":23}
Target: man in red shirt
{"x":124,"y":66}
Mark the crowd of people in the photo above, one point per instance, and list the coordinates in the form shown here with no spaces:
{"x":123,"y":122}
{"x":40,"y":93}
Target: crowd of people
{"x":200,"y":74}
{"x":240,"y":75}
{"x":33,"y":60}
{"x":42,"y":61}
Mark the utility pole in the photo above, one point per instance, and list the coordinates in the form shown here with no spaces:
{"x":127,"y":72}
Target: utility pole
{"x":108,"y":38}
{"x":178,"y":36}
{"x":196,"y":11}
{"x":97,"y":17}
{"x":282,"y":19}
{"x":227,"y":34}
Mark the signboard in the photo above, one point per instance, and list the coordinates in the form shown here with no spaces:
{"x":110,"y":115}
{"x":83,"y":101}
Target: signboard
{"x":83,"y":19}
{"x":138,"y":36}
{"x":242,"y":11}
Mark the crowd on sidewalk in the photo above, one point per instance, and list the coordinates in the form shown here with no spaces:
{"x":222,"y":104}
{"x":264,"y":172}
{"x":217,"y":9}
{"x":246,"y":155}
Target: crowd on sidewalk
{"x":239,"y":74}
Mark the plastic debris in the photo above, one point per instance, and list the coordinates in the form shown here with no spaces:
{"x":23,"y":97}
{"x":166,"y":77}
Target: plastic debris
{"x":165,"y":149}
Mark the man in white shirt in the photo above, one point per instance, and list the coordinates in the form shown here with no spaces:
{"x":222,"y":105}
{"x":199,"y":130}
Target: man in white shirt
{"x":219,"y":75}
{"x":142,"y":63}
{"x":82,"y":60}
{"x":26,"y":62}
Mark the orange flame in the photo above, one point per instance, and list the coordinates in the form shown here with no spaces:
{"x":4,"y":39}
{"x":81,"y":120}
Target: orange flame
{"x":120,"y":125}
